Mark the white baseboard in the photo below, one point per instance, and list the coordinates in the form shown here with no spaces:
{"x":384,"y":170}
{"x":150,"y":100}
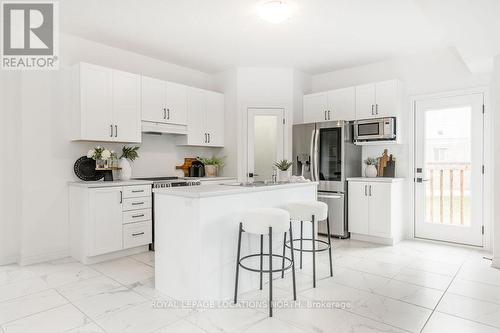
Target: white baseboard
{"x":373,"y":239}
{"x":495,"y":262}
{"x":114,"y":255}
{"x":7,"y":260}
{"x":29,"y":260}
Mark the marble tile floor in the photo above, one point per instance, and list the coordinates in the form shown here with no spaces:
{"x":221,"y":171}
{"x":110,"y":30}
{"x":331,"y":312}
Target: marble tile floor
{"x":414,"y":286}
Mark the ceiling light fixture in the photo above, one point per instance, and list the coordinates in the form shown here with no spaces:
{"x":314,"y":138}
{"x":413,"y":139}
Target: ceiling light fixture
{"x":274,"y":11}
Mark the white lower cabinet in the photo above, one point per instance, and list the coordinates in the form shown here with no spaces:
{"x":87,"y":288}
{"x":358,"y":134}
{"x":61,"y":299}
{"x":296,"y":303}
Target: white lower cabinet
{"x":375,"y":210}
{"x":109,"y":222}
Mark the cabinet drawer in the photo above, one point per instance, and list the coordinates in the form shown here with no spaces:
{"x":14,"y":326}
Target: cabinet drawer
{"x":137,"y":216}
{"x":137,"y":234}
{"x":137,"y":191}
{"x":136,"y":203}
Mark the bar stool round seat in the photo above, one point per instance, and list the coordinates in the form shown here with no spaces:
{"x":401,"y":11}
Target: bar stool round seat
{"x":309,"y":211}
{"x":265,"y":221}
{"x":304,"y":210}
{"x":258,"y":221}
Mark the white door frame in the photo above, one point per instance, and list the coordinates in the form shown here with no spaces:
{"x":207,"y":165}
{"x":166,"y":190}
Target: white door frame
{"x":487,"y":157}
{"x":247,"y":155}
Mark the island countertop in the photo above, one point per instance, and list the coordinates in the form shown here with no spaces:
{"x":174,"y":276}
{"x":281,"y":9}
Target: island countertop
{"x":226,"y":189}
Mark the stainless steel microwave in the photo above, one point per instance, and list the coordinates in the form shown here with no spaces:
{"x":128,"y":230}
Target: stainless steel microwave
{"x":375,"y":129}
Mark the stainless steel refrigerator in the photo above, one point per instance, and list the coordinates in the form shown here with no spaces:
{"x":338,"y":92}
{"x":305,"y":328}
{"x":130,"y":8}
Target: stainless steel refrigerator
{"x":325,"y":152}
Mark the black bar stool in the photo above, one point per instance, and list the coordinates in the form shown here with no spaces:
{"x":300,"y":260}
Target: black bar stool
{"x":263,"y":221}
{"x":311,"y":211}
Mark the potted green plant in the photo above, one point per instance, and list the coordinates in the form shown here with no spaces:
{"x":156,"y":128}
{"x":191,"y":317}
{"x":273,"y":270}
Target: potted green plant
{"x":284,"y":172}
{"x":212,"y":165}
{"x":371,"y":167}
{"x":129,"y":154}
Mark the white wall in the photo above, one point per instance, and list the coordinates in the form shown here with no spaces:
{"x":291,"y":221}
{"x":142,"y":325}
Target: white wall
{"x":439,"y":71}
{"x":10,"y":167}
{"x":495,"y":92}
{"x":48,"y":155}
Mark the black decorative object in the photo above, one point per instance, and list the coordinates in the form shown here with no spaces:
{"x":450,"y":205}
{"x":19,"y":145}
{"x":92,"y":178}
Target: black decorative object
{"x":85,"y":169}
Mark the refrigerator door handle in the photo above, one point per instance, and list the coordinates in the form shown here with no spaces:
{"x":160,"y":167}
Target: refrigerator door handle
{"x":313,"y":155}
{"x":316,"y":157}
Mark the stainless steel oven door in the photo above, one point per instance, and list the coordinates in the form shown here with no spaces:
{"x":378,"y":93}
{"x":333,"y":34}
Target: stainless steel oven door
{"x":328,"y":156}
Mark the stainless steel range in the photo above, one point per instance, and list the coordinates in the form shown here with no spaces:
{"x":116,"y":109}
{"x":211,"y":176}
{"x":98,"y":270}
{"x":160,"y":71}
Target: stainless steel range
{"x":165,"y":182}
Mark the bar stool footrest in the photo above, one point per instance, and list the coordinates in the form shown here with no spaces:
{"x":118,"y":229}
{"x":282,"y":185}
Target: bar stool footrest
{"x":318,"y":241}
{"x":288,"y":260}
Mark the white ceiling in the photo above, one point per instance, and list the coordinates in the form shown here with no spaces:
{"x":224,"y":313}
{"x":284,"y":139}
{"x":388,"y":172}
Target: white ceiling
{"x":214,"y":35}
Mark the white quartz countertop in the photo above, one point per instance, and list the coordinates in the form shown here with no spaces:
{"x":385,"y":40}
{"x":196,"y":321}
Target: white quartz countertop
{"x":224,"y":189}
{"x":101,"y":183}
{"x":376,"y":179}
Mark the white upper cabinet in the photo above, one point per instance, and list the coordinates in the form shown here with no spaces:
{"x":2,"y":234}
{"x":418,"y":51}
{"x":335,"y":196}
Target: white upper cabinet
{"x":315,"y":108}
{"x":126,"y":106}
{"x":153,"y":100}
{"x":176,"y":103}
{"x":107,"y":105}
{"x":329,"y":106}
{"x":164,"y":102}
{"x":205,"y":118}
{"x":376,"y":100}
{"x":341,"y":104}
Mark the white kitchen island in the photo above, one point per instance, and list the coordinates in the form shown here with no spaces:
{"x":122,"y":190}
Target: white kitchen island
{"x":196,"y":236}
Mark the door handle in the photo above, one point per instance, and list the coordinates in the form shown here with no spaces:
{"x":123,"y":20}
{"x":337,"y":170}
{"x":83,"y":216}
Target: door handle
{"x":329,"y":118}
{"x":164,"y":113}
{"x":208,"y":137}
{"x":370,"y":191}
{"x":376,"y":108}
{"x":326,"y":112}
{"x":366,"y":194}
{"x":111,"y":131}
{"x":372,"y":109}
{"x":116,"y":131}
{"x":168,"y":113}
{"x":121,"y":196}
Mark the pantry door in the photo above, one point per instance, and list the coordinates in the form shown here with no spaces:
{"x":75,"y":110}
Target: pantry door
{"x":265,"y":142}
{"x":449,"y":169}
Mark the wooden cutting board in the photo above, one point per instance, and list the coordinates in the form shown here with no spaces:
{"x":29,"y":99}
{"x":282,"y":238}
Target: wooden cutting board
{"x":186,"y":165}
{"x":382,"y":163}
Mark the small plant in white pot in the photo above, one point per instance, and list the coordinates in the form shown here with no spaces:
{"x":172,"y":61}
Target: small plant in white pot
{"x":284,"y":171}
{"x":129,"y":154}
{"x":371,"y":167}
{"x":212,"y":165}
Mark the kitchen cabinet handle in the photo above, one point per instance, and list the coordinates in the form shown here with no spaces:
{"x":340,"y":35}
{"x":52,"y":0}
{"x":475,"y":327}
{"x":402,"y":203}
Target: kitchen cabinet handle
{"x":138,"y":234}
{"x":137,"y":203}
{"x":326,"y":114}
{"x":137,"y":216}
{"x":164,"y":113}
{"x":376,"y":108}
{"x":137,"y":191}
{"x":373,"y":106}
{"x":208,"y":137}
{"x":111,"y":131}
{"x":370,"y":191}
{"x":121,"y":196}
{"x":329,"y":118}
{"x":116,"y":131}
{"x":366,"y":194}
{"x":168,"y":114}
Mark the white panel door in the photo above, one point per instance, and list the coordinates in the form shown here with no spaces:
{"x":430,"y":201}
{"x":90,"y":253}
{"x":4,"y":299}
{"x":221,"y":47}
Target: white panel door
{"x":379,"y":195}
{"x":365,"y":101}
{"x":215,"y":118}
{"x":197,"y":134}
{"x":358,"y":208}
{"x":315,"y":108}
{"x":342,"y":104}
{"x":448,"y":161}
{"x":96,"y":85}
{"x":176,"y":103}
{"x":265,"y":142}
{"x":126,"y":106}
{"x":387,"y":98}
{"x":105,"y":225}
{"x":153,"y":100}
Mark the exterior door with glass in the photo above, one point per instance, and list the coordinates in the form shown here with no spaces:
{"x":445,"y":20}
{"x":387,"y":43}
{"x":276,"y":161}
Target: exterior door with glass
{"x":265,"y":142}
{"x":448,"y":169}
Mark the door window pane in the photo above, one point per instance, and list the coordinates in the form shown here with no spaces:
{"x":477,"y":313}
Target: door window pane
{"x":265,"y":145}
{"x":448,"y":165}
